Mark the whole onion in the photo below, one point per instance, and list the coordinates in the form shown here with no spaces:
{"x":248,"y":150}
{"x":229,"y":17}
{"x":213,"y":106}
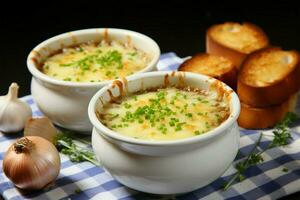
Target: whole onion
{"x":31,"y":163}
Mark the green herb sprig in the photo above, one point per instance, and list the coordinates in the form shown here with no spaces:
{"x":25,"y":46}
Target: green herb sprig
{"x":282,"y":136}
{"x":65,"y":144}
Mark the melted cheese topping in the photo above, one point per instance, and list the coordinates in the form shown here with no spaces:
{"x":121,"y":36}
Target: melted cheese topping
{"x":166,"y":114}
{"x":268,"y":67}
{"x":240,"y":37}
{"x":92,"y":62}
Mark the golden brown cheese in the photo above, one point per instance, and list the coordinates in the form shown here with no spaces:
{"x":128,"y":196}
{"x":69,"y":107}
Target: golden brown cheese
{"x":95,"y":62}
{"x":166,"y":114}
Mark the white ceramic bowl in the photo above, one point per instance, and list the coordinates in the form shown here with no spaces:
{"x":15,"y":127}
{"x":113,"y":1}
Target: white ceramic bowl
{"x":166,"y":167}
{"x":65,"y":103}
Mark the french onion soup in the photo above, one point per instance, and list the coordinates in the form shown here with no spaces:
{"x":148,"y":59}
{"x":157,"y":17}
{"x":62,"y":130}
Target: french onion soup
{"x":95,"y":62}
{"x":165,"y":114}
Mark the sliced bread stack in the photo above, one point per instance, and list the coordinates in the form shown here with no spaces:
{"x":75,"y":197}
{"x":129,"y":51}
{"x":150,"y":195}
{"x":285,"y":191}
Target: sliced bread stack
{"x":235,"y":41}
{"x":266,"y":78}
{"x":268,"y":82}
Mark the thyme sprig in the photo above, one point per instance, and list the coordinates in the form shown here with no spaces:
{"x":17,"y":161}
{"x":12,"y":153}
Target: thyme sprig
{"x":65,"y":144}
{"x":282,"y":136}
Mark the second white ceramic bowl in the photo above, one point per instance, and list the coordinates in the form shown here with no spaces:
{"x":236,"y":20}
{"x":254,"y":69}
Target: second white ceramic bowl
{"x":166,"y":167}
{"x":66,"y":103}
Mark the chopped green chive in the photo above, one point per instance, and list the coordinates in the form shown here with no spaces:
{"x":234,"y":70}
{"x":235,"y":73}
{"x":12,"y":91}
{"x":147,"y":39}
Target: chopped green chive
{"x":190,"y":115}
{"x":219,"y":119}
{"x":80,"y":49}
{"x":285,"y":170}
{"x":108,"y":73}
{"x":162,"y":128}
{"x":134,"y":53}
{"x":127,"y":105}
{"x":178,"y":128}
{"x":114,"y":116}
{"x":207,"y":125}
{"x":77,"y":191}
{"x":67,"y":79}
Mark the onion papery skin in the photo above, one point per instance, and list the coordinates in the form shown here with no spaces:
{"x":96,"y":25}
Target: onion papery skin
{"x":35,"y":168}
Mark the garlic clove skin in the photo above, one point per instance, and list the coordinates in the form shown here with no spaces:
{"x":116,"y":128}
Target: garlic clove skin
{"x":13,"y":112}
{"x":41,"y":126}
{"x":14,"y":117}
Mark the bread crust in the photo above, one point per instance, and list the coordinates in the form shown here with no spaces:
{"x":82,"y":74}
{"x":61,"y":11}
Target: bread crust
{"x":260,"y":118}
{"x":227,"y":75}
{"x":236,"y":56}
{"x":270,"y":94}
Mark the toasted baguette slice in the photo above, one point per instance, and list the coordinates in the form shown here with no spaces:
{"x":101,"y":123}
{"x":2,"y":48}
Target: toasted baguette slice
{"x":215,"y":66}
{"x":235,"y":41}
{"x":258,"y":118}
{"x":268,"y":77}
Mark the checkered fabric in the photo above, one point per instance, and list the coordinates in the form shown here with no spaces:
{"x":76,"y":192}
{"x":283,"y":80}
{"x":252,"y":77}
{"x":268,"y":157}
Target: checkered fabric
{"x":81,"y":181}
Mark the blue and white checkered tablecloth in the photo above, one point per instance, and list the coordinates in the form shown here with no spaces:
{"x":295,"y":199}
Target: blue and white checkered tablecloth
{"x":86,"y":181}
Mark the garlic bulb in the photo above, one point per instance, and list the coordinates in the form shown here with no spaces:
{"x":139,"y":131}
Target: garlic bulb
{"x":41,"y":126}
{"x":13,"y":111}
{"x":31,"y":163}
